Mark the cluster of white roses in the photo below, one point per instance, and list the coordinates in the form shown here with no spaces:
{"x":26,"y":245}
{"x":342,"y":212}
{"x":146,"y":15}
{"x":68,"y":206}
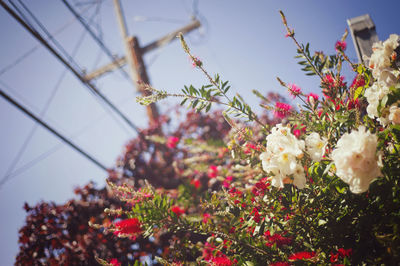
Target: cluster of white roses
{"x":386,"y":77}
{"x":284,"y":153}
{"x":355,"y":157}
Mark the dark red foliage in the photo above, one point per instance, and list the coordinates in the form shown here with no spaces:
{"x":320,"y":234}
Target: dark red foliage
{"x":58,"y":234}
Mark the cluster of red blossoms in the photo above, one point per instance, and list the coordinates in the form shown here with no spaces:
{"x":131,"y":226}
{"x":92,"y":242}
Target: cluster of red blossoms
{"x":212,"y":171}
{"x":219,"y":259}
{"x":172,"y":142}
{"x":276,"y":239}
{"x":131,"y":227}
{"x":342,"y":253}
{"x":340,"y":46}
{"x":282,"y":110}
{"x":177,"y":210}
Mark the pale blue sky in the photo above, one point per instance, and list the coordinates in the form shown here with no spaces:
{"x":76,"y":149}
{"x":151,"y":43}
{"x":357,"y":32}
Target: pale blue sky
{"x":243,"y":41}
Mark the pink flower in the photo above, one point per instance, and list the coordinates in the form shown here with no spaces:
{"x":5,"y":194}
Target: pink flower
{"x":206,"y":217}
{"x":282,"y":109}
{"x":297,"y":131}
{"x":212,"y":171}
{"x":313,"y":96}
{"x":340,"y":46}
{"x":177,"y":210}
{"x":114,"y":262}
{"x":196,"y":62}
{"x":330,"y":82}
{"x":227,"y":181}
{"x":172,"y":142}
{"x":294,"y":90}
{"x":358,"y":81}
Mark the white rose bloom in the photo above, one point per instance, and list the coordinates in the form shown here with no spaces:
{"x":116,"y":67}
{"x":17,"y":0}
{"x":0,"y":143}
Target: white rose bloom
{"x":283,"y":151}
{"x":299,"y":177}
{"x":394,"y":114}
{"x":356,"y":160}
{"x":316,"y":146}
{"x":380,"y":58}
{"x":373,"y":94}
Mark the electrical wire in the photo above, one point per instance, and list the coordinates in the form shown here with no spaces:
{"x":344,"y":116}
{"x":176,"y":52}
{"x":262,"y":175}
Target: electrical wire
{"x":58,"y":146}
{"x":95,"y":37}
{"x":36,"y":47}
{"x":48,"y":127}
{"x":76,"y":72}
{"x":45,"y":108}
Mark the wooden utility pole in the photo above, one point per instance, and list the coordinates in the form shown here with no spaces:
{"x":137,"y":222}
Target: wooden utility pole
{"x":134,"y":58}
{"x":364,"y":35}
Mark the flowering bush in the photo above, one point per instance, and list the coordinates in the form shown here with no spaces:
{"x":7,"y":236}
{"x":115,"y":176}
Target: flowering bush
{"x":321,"y":186}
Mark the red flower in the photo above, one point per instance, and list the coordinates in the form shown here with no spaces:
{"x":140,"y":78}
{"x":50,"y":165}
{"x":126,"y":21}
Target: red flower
{"x":208,"y":251}
{"x":177,"y":210}
{"x":302,"y":255}
{"x":277,"y":239}
{"x":232,"y":230}
{"x":206,"y":217}
{"x":358,"y":81}
{"x":312,"y":97}
{"x":334,"y":257}
{"x":212,"y":171}
{"x":196,"y":183}
{"x":351,"y":104}
{"x":294,"y":90}
{"x":115,"y":262}
{"x":282,"y":109}
{"x":221,"y":261}
{"x":345,"y":252}
{"x":130,"y":226}
{"x":340,"y":46}
{"x":279,"y":264}
{"x":256,"y":216}
{"x":172,"y":142}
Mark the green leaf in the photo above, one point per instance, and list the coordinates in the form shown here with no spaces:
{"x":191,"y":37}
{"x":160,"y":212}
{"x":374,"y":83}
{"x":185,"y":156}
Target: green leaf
{"x":358,"y":92}
{"x":184,"y":101}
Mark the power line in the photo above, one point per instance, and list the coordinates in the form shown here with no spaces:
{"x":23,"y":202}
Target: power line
{"x":45,"y":108}
{"x":53,"y":131}
{"x":34,"y":48}
{"x":95,"y":37}
{"x":57,"y":147}
{"x":50,"y":37}
{"x":88,"y":85}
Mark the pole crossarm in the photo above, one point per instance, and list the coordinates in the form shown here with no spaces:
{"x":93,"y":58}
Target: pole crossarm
{"x":121,"y":61}
{"x":92,"y":88}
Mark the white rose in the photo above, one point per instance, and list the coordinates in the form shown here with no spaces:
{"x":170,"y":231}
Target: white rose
{"x":283,"y":152}
{"x":356,"y":160}
{"x":316,"y":146}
